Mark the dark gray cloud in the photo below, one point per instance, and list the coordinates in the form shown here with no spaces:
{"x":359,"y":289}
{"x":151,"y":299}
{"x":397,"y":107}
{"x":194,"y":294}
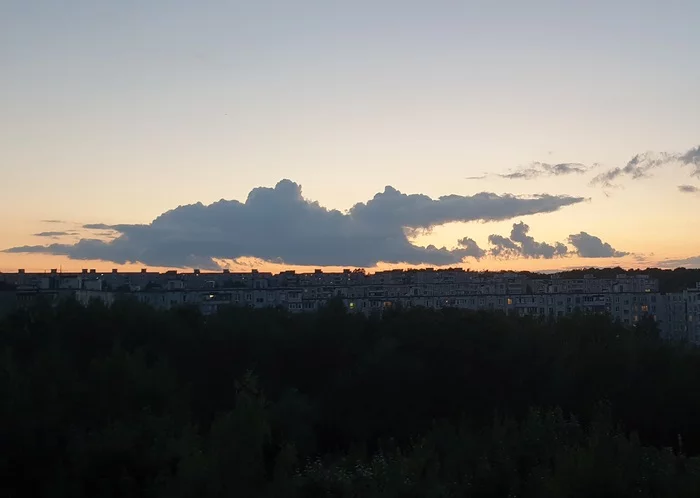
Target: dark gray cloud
{"x":641,"y":165}
{"x":97,"y":226}
{"x":533,"y":249}
{"x":688,"y":189}
{"x":53,"y":234}
{"x":471,"y":248}
{"x":522,"y":245}
{"x":503,"y":247}
{"x":537,"y":170}
{"x":590,"y":246}
{"x":278,"y":224}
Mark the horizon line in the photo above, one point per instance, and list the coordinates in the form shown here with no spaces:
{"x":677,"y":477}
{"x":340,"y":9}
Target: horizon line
{"x":226,"y":271}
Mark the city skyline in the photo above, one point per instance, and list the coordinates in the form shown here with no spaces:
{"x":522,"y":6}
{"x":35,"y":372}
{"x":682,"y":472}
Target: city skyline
{"x":364,"y":135}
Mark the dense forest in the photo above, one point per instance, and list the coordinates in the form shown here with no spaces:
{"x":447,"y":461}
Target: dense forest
{"x":128,"y":401}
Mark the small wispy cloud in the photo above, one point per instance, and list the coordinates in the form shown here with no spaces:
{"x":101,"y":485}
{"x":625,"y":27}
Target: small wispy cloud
{"x":538,"y":169}
{"x":480,"y":177}
{"x":692,"y":158}
{"x":53,"y":221}
{"x":98,"y":226}
{"x":53,"y":234}
{"x":689,"y":189}
{"x":642,"y":166}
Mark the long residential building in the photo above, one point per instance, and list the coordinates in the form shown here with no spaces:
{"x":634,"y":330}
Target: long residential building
{"x":627,"y":298}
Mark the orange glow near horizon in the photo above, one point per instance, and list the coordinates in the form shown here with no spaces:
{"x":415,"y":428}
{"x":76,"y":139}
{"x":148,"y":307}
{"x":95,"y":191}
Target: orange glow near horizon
{"x":10,"y":263}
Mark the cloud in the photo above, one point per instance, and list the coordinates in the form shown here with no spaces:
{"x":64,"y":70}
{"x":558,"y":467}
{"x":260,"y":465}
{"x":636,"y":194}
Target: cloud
{"x":520,"y":244}
{"x":53,"y":221}
{"x":692,"y":158}
{"x":98,"y":226}
{"x":533,"y":249}
{"x":481,"y":177}
{"x":278,"y":224}
{"x":537,"y":170}
{"x":688,"y":189}
{"x":636,"y":168}
{"x":471,"y":248}
{"x":590,"y":246}
{"x":53,"y":234}
{"x":691,"y":262}
{"x":503,"y":247}
{"x":641,"y":165}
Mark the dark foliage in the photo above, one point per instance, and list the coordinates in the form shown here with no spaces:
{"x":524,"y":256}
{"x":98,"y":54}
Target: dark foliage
{"x":129,"y":401}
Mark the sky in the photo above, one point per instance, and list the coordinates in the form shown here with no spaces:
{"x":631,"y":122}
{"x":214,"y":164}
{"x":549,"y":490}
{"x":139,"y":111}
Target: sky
{"x":536,"y":135}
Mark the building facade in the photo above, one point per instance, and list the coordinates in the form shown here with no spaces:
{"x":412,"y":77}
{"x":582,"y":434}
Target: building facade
{"x":626,"y":298}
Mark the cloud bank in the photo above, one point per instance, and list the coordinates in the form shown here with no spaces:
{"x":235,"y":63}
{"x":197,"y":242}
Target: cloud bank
{"x":691,"y":262}
{"x":278,"y":224}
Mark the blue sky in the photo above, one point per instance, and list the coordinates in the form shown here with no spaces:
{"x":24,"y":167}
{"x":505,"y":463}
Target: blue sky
{"x":116,"y":112}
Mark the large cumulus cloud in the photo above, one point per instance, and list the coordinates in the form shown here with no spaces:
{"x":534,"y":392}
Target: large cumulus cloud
{"x":278,"y":224}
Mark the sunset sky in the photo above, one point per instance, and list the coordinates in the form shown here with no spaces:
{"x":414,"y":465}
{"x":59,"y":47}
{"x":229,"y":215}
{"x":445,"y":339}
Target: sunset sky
{"x":320,"y":120}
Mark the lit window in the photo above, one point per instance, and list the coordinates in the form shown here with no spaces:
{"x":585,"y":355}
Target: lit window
{"x":510,"y":301}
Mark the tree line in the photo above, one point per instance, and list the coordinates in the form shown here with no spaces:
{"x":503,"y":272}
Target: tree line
{"x":132,"y":401}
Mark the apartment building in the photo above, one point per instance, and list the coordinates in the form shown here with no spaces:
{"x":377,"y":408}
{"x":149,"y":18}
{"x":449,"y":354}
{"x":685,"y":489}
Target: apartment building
{"x":626,"y":298}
